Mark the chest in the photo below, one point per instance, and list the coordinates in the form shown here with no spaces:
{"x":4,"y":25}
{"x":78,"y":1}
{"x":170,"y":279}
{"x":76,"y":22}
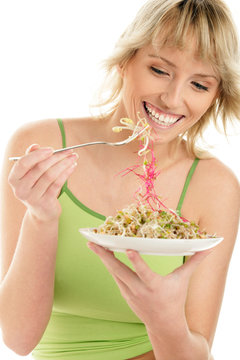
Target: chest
{"x":104,"y":189}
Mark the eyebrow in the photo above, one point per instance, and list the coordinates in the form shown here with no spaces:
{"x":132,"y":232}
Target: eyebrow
{"x":174,"y":66}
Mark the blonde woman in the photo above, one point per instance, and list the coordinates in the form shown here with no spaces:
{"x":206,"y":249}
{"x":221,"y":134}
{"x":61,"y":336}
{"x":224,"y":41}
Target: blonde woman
{"x":177,"y":66}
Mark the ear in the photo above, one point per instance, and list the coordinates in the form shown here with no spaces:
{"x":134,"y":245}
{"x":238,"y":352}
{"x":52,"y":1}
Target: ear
{"x":120,"y":70}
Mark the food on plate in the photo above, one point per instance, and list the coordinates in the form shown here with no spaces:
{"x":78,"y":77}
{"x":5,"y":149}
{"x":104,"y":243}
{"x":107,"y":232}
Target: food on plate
{"x":142,"y":221}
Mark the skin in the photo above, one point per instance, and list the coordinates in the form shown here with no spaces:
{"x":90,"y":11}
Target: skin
{"x":168,"y":79}
{"x":192,"y":294}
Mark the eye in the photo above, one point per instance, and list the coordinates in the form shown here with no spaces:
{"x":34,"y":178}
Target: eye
{"x":158,"y":71}
{"x":199,"y":86}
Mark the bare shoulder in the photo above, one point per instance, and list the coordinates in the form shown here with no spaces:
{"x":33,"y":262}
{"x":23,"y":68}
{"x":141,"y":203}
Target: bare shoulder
{"x":214,"y":178}
{"x":216,"y":168}
{"x":42,"y":132}
{"x":218,"y":195}
{"x":47,"y":133}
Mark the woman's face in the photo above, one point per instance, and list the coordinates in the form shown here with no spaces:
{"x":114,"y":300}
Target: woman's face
{"x":170,"y":88}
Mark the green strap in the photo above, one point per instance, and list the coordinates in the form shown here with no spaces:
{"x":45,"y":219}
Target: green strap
{"x":60,"y":123}
{"x":188,"y":179}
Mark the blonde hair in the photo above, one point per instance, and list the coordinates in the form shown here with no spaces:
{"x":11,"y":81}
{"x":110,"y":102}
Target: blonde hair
{"x":211,"y":25}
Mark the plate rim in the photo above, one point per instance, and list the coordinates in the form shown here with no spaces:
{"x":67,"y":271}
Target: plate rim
{"x":220,"y":238}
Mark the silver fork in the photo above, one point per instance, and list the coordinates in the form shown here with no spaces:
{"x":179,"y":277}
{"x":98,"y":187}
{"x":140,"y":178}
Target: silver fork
{"x":119,"y":143}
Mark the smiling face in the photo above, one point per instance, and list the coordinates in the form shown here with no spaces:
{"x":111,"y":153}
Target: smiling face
{"x":170,"y":88}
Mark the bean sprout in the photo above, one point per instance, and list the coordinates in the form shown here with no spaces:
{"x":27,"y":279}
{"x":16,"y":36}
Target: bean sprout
{"x":141,"y":221}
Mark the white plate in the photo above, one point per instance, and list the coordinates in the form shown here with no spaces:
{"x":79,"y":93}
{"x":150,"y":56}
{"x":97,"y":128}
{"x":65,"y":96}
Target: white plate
{"x":148,"y":246}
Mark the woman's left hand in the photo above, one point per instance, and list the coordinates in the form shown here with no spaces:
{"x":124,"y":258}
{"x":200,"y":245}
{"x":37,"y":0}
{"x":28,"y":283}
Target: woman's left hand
{"x":157,"y":300}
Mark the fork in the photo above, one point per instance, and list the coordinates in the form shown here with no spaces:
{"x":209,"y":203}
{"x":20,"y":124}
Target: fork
{"x":119,"y":143}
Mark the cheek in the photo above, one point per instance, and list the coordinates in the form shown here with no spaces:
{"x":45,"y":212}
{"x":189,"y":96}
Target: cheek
{"x":136,"y":79}
{"x":133,"y":90}
{"x":200,"y":107}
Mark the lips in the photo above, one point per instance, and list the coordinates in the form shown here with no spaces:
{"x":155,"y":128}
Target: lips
{"x":161,"y":118}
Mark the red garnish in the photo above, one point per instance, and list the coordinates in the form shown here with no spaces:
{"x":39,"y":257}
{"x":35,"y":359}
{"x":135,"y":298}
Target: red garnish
{"x":148,"y":196}
{"x":148,"y":177}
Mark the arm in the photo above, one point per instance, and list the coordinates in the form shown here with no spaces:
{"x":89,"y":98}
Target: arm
{"x":26,"y":291}
{"x":185,"y":346}
{"x":181,"y":310}
{"x":220,"y":214}
{"x":29,"y":233}
{"x":159,"y":302}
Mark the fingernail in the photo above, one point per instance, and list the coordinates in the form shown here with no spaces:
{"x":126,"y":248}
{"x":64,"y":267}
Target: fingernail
{"x":75,"y":155}
{"x":31,"y":146}
{"x":91,"y":246}
{"x":72,"y":156}
{"x":47,"y":150}
{"x":130,"y":254}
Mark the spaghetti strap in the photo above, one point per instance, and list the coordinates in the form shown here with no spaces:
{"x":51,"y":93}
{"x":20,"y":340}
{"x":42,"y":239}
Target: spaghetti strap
{"x":185,"y":187}
{"x":188,"y":179}
{"x":61,"y":126}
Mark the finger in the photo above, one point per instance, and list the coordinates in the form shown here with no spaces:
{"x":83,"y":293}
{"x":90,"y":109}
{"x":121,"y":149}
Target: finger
{"x":28,"y":161}
{"x":49,"y":177}
{"x":188,"y":268}
{"x":25,"y":186}
{"x":124,"y":289}
{"x":114,"y":266}
{"x":48,"y":168}
{"x":32,"y":148}
{"x":54,"y":189}
{"x":140,"y":267}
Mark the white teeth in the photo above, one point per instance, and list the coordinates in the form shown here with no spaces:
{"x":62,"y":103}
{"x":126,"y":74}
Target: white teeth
{"x":160,"y":118}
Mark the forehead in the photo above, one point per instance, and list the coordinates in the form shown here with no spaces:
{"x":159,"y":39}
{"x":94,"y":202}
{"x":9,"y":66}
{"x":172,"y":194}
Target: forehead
{"x":189,"y":42}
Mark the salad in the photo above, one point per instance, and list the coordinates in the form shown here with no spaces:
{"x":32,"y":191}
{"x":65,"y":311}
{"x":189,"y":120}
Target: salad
{"x":142,"y":221}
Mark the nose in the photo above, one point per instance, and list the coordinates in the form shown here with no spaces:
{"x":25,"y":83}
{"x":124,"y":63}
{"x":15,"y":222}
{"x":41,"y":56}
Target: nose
{"x":173,"y":95}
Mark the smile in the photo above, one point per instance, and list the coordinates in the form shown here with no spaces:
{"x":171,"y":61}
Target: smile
{"x":159,"y":117}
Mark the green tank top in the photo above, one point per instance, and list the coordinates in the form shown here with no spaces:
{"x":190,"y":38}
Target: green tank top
{"x":90,"y":320}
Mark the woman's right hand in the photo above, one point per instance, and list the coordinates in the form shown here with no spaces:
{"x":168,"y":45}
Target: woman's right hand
{"x":37,"y":179}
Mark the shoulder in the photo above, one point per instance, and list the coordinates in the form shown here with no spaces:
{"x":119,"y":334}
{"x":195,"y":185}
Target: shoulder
{"x":42,"y":132}
{"x":45,"y":133}
{"x":218,"y":195}
{"x":214,"y":177}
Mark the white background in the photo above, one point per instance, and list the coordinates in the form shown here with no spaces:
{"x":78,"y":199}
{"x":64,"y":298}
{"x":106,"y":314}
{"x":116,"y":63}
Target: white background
{"x":50,"y":51}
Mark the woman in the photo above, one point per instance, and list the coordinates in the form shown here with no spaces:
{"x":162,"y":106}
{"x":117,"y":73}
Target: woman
{"x":176,"y":67}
